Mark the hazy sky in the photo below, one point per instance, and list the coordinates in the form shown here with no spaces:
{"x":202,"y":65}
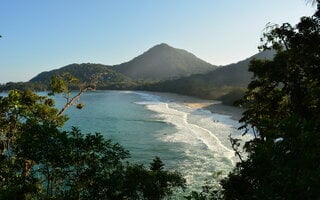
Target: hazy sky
{"x":41,"y":35}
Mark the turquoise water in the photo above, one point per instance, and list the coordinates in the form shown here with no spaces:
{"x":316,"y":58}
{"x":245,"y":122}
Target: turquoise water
{"x":119,"y":116}
{"x":191,"y":141}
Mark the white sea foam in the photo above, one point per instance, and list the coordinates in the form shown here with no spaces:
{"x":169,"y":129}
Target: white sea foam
{"x":190,"y":133}
{"x":149,"y":98}
{"x":204,"y":135}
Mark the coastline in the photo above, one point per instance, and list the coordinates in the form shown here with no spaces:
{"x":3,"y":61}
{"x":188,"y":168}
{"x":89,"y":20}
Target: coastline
{"x":213,"y":106}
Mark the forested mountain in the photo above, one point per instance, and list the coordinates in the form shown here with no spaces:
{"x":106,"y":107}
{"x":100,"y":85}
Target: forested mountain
{"x":161,"y":68}
{"x":104,"y":77}
{"x":226,"y":80}
{"x":235,"y":74}
{"x":163,"y":62}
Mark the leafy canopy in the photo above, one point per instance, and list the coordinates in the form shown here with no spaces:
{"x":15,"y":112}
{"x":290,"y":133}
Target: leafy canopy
{"x":40,"y":161}
{"x":283,"y":110}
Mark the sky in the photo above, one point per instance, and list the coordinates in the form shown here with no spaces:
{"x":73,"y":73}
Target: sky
{"x":41,"y":35}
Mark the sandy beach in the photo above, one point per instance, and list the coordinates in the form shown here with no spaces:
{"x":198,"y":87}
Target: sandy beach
{"x":212,"y":105}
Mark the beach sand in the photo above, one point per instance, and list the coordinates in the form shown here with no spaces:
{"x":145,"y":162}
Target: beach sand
{"x":211,"y":105}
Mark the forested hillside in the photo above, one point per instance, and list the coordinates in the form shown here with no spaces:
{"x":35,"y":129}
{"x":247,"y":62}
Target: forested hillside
{"x":102,"y":75}
{"x":226,"y":83}
{"x":163,"y":62}
{"x":187,"y":75}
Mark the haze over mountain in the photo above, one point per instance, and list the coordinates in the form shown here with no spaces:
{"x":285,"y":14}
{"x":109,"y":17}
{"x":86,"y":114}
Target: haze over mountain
{"x":163,"y":62}
{"x":235,"y":74}
{"x":225,"y":80}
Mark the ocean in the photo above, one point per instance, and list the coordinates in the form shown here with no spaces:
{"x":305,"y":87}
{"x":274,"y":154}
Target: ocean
{"x":191,"y":141}
{"x":194,"y":142}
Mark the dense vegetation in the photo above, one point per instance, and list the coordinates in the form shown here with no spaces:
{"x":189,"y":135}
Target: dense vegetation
{"x":40,"y":161}
{"x":23,"y":86}
{"x":283,"y":111}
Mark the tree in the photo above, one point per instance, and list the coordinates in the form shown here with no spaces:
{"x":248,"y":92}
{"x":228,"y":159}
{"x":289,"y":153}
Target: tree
{"x":154,"y":183}
{"x":283,"y":110}
{"x":20,"y":112}
{"x":39,"y":161}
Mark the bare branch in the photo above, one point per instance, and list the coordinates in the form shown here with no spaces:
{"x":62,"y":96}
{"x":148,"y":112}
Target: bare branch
{"x":71,"y":101}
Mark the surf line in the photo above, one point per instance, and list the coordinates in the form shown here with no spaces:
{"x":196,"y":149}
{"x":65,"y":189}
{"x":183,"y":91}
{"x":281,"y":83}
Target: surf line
{"x":228,"y":152}
{"x":154,"y":100}
{"x":200,"y":133}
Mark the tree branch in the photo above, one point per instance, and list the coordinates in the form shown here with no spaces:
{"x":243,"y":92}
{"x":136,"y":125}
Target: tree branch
{"x":73,"y":99}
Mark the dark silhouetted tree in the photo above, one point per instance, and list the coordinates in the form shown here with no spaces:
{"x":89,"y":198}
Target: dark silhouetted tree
{"x":283,"y":108}
{"x":283,"y":111}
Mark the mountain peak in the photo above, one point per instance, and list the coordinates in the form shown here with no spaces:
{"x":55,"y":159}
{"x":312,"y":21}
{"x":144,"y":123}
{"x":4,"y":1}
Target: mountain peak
{"x":163,"y":45}
{"x":163,"y":62}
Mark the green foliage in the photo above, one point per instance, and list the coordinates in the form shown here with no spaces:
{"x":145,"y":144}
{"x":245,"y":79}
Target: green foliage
{"x":22,"y":86}
{"x":283,"y":109}
{"x":233,"y":96}
{"x":156,"y":165}
{"x":94,"y":167}
{"x":39,"y":161}
{"x":155,"y":183}
{"x":20,"y":111}
{"x":61,"y":84}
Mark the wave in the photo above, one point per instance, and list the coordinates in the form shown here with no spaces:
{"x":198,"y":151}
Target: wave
{"x":204,"y":153}
{"x":203,"y":135}
{"x":188,"y":132}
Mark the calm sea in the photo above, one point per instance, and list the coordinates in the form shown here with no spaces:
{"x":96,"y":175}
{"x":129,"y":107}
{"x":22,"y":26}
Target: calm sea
{"x":192,"y":141}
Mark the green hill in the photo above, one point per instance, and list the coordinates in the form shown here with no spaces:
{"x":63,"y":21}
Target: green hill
{"x":108,"y":78}
{"x":226,"y":83}
{"x":159,"y":63}
{"x":162,"y":68}
{"x":163,"y":62}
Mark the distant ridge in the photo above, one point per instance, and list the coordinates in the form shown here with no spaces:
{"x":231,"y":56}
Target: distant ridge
{"x":108,"y":78}
{"x":163,"y":62}
{"x":81,"y":71}
{"x":225,"y":80}
{"x":236,"y":74}
{"x":161,"y":68}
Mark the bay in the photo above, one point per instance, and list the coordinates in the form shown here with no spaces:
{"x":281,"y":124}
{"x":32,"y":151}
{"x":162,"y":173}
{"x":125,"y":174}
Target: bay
{"x":192,"y":141}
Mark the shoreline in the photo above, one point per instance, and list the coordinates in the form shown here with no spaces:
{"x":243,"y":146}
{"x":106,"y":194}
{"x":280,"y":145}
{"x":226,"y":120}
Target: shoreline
{"x":213,"y":106}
